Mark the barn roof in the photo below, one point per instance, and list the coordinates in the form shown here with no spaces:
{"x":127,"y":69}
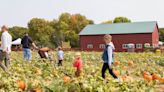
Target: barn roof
{"x":119,"y":28}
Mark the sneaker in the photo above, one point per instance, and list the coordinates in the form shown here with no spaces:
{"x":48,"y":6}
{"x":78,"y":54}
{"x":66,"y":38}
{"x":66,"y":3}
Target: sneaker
{"x":118,"y":80}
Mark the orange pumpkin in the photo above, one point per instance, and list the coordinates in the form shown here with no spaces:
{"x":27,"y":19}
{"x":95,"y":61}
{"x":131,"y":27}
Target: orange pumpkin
{"x":156,"y":76}
{"x":162,"y":80}
{"x":116,"y":63}
{"x":116,"y":72}
{"x":66,"y":79}
{"x":148,"y":77}
{"x":21,"y":85}
{"x":130,"y":63}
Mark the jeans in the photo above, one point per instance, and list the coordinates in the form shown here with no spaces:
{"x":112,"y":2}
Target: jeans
{"x":6,"y":58}
{"x":27,"y":54}
{"x":104,"y":68}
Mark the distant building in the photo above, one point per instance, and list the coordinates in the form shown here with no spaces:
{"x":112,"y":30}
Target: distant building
{"x":137,"y":33}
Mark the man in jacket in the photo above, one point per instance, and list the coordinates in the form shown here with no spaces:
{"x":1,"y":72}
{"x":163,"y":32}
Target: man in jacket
{"x":26,"y":43}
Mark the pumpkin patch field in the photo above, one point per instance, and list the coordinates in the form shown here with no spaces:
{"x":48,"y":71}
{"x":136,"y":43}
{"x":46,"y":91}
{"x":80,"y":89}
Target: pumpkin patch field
{"x":138,"y":72}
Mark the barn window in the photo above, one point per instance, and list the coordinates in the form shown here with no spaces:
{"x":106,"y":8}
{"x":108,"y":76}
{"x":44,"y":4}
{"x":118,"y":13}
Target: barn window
{"x":102,"y":46}
{"x":139,"y":46}
{"x":90,"y":46}
{"x":124,"y":46}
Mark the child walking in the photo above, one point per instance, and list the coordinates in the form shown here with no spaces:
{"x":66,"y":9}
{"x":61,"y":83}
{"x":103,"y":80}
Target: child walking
{"x":108,"y":56}
{"x":78,"y":64}
{"x":60,"y":55}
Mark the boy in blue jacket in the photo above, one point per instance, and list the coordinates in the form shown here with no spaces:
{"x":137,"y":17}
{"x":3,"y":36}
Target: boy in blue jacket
{"x":108,"y":56}
{"x":60,"y":55}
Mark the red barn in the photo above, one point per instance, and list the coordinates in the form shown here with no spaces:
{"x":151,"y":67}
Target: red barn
{"x":137,"y":33}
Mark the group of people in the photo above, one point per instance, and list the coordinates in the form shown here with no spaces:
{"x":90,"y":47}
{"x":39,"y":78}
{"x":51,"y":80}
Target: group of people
{"x":6,"y":43}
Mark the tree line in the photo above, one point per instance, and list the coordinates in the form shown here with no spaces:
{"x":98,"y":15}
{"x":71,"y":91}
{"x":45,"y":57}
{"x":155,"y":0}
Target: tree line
{"x":66,"y":28}
{"x":52,"y":33}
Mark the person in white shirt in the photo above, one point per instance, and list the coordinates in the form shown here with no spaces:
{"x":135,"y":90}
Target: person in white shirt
{"x":5,"y":48}
{"x":60,"y":55}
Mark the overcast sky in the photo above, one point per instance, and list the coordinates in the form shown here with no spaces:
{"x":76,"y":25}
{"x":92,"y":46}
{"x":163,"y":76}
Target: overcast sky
{"x":19,"y":12}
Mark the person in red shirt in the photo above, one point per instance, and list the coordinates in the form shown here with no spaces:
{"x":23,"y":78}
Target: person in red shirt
{"x":78,"y":64}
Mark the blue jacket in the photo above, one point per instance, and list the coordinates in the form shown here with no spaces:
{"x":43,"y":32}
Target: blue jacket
{"x":60,"y":54}
{"x":108,"y":56}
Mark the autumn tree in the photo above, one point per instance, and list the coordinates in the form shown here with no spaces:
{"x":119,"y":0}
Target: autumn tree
{"x":68,"y":27}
